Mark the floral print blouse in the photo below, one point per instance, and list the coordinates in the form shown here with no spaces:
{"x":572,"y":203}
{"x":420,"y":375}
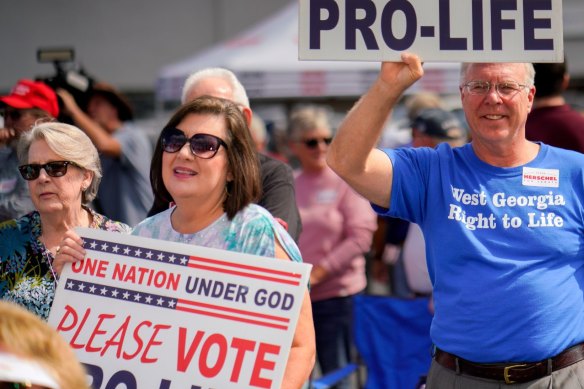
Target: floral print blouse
{"x":26,"y":274}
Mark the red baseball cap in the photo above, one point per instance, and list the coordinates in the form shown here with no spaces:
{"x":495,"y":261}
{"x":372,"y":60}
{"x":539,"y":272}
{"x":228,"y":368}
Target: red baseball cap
{"x":32,"y":94}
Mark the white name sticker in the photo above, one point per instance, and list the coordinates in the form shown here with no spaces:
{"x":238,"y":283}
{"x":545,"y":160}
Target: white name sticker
{"x":541,"y":177}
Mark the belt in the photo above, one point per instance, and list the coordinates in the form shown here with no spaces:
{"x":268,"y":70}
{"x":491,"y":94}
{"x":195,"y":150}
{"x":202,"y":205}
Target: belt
{"x":512,"y":372}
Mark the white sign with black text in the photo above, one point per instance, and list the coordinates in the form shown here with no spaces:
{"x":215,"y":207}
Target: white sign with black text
{"x":437,"y":30}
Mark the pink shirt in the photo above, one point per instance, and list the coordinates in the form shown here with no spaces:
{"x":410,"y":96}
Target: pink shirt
{"x":337,"y":229}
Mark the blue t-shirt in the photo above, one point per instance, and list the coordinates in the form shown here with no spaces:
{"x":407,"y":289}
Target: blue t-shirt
{"x":504,"y":246}
{"x":253,"y":230}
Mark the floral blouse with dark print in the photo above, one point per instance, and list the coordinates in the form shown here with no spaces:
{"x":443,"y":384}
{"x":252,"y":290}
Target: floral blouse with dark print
{"x":26,"y":274}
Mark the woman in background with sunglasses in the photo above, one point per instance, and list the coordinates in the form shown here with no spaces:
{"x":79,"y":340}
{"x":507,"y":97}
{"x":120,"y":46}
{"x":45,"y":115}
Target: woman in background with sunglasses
{"x":62,"y":168}
{"x":338,"y":227}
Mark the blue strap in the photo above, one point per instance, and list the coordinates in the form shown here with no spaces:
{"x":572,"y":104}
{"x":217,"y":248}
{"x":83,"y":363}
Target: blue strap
{"x":335,"y":376}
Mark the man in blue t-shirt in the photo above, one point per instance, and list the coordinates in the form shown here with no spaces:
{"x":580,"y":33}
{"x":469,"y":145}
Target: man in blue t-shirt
{"x":503,"y":221}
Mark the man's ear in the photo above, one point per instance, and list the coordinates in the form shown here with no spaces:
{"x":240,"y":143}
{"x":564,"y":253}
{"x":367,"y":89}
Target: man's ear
{"x":248,"y":114}
{"x":565,"y":81}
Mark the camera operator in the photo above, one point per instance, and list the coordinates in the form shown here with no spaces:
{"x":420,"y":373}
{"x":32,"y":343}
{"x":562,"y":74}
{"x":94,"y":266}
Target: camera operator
{"x":28,"y":103}
{"x":125,"y":193}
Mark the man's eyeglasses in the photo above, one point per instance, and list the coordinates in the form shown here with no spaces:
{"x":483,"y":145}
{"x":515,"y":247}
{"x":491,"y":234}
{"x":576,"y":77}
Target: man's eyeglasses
{"x":312,"y":143}
{"x":202,"y":145}
{"x":54,"y":169}
{"x":504,"y":89}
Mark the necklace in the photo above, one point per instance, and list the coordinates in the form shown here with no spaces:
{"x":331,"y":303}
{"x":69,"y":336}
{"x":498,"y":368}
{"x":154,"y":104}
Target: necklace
{"x":49,"y":257}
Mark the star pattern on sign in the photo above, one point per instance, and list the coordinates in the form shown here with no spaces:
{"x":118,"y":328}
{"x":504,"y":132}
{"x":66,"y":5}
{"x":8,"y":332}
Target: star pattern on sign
{"x":120,"y":294}
{"x":136,"y":251}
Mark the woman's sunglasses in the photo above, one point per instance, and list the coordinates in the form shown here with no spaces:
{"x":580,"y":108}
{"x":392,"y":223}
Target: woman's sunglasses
{"x":54,"y":169}
{"x":202,"y":145}
{"x":312,"y":143}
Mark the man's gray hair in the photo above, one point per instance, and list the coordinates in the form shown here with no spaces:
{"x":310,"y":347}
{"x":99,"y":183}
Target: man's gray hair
{"x":239,"y":94}
{"x":529,"y":72}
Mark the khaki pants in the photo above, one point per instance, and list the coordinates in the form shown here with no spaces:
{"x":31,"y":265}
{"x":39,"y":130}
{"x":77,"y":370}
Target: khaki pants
{"x":571,"y":377}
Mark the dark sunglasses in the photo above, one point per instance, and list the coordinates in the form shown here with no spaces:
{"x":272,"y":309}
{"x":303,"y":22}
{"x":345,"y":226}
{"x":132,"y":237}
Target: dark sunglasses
{"x":312,"y":143}
{"x":54,"y":169}
{"x":202,"y":145}
{"x":13,"y":114}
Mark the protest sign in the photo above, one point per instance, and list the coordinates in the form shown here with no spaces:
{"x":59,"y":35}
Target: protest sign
{"x":147,"y":313}
{"x":437,"y":30}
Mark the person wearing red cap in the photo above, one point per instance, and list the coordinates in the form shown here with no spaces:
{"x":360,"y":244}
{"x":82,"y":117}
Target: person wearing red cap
{"x":28,"y":103}
{"x":125,"y":193}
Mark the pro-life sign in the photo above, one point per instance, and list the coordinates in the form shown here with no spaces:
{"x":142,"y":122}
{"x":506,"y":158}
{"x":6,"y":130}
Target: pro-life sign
{"x":437,"y":30}
{"x":145,"y":313}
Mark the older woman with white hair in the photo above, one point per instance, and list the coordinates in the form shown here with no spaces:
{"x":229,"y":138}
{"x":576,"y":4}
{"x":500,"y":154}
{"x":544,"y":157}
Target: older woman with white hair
{"x":63,"y":171}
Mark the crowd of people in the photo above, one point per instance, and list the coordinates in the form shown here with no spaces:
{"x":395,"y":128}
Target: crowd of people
{"x":484,"y":215}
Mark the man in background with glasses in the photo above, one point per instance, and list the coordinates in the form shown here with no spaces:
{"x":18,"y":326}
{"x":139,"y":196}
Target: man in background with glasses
{"x":502,"y":221}
{"x":28,"y":103}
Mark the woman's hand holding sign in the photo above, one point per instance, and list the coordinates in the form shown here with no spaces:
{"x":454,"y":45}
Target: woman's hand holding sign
{"x":70,"y":251}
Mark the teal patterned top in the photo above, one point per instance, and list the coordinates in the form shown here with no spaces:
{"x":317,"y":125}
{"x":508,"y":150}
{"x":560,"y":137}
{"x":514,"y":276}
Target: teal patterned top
{"x":253,"y":230}
{"x":26,"y":274}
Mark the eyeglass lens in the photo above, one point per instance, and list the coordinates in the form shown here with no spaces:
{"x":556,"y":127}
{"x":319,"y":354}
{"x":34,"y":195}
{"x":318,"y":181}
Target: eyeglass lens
{"x":202,"y":145}
{"x":53,"y":169}
{"x":503,"y":88}
{"x":313,"y":142}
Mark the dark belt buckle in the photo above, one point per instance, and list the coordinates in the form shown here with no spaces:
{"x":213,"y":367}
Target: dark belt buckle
{"x":506,"y":373}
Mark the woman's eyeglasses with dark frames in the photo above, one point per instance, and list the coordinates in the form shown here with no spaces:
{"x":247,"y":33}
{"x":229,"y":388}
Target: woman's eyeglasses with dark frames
{"x":203,"y":146}
{"x":312,"y":143}
{"x":54,"y":169}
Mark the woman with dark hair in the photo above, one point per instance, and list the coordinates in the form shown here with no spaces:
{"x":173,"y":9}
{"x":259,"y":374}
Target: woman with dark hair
{"x":205,"y":164}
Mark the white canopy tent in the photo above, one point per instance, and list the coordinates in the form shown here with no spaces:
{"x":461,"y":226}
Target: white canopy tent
{"x":265,"y":59}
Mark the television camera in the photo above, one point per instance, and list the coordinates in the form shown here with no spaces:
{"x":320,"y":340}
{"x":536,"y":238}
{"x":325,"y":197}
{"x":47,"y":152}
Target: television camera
{"x":68,"y":75}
